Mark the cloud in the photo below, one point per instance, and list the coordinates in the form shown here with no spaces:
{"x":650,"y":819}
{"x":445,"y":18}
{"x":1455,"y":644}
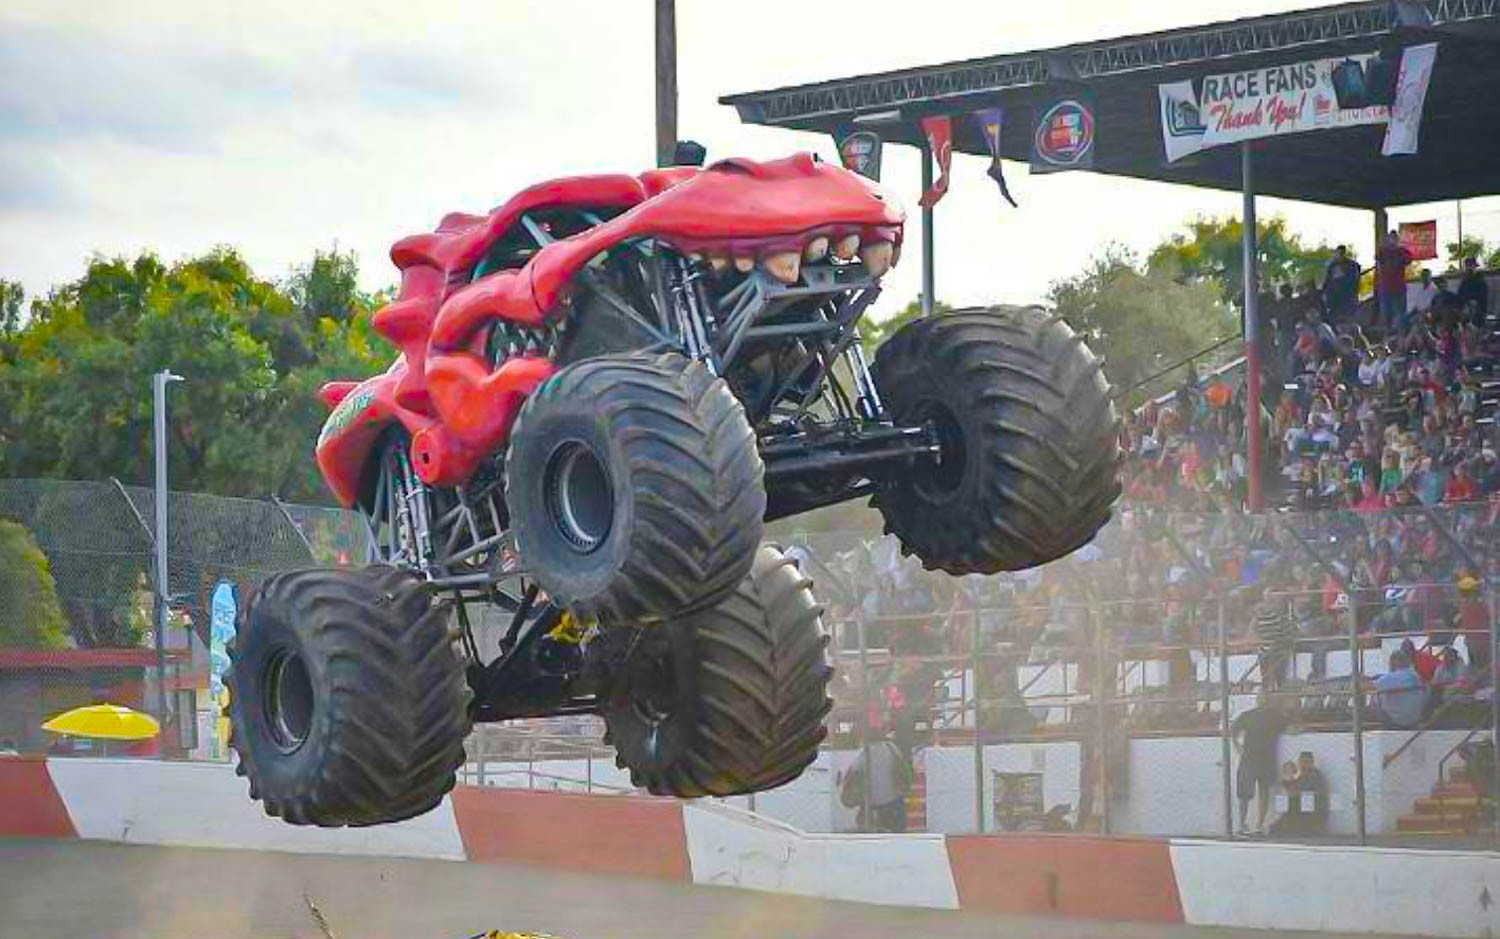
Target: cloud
{"x":59,"y":85}
{"x":400,"y":79}
{"x":33,"y":182}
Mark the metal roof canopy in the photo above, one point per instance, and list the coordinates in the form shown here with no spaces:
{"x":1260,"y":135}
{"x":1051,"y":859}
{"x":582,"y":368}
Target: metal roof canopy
{"x":1460,"y":139}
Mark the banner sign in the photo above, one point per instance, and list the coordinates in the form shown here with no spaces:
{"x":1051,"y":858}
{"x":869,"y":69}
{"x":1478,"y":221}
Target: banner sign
{"x":990,"y":121}
{"x":1411,"y":97}
{"x":1420,"y":239}
{"x":859,"y":151}
{"x":223,"y":608}
{"x":1287,"y":99}
{"x":1065,"y":135}
{"x":939,"y":133}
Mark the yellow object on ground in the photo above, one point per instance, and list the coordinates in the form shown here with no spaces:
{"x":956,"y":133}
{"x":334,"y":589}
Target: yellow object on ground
{"x":104,"y":722}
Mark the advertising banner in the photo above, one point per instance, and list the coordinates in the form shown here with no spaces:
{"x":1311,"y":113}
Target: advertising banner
{"x":1321,"y":94}
{"x":1411,"y":97}
{"x":223,"y":608}
{"x":1420,"y":239}
{"x":859,"y":151}
{"x":1065,"y":135}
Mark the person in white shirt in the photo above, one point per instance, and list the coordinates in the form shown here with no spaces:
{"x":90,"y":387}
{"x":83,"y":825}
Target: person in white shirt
{"x":1419,"y":296}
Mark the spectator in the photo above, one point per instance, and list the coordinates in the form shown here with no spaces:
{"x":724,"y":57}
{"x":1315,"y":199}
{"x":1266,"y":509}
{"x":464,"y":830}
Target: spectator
{"x":1341,"y":284}
{"x":1473,"y":621}
{"x":1420,"y":295}
{"x":1391,"y":260}
{"x":1307,"y":798}
{"x":1403,"y":700}
{"x":1255,"y":734}
{"x":888,"y":779}
{"x":1474,"y":293}
{"x":1451,"y":680}
{"x":1276,"y":638}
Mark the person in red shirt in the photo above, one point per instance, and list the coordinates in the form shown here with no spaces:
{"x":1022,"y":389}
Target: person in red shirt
{"x":1461,"y":488}
{"x":1391,"y":260}
{"x":1424,"y":661}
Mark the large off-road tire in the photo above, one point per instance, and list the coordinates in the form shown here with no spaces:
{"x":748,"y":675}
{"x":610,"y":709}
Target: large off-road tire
{"x":348,"y":702}
{"x":729,"y":700}
{"x":1029,"y":434}
{"x":635,"y":488}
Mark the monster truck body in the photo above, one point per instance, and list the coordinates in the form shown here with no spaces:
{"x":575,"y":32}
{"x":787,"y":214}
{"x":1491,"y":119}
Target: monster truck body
{"x":517,"y":269}
{"x":605,"y":387}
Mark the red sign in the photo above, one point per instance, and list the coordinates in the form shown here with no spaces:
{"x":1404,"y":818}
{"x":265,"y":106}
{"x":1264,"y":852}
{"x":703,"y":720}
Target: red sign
{"x":1420,"y":240}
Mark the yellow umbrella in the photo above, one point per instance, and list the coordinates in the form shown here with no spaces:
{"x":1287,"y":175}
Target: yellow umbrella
{"x":104,"y":722}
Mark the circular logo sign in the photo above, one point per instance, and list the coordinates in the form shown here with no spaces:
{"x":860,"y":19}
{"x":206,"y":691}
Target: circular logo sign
{"x":1065,"y":134}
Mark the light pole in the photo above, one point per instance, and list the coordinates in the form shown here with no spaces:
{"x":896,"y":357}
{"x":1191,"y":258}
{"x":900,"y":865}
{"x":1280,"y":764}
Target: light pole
{"x":159,"y":382}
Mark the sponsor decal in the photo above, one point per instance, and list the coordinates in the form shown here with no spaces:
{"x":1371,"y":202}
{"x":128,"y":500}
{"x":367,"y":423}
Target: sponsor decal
{"x":1065,"y":136}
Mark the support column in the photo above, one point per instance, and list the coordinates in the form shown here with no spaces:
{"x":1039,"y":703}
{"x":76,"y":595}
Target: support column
{"x":1382,"y":225}
{"x":666,"y":82}
{"x":928,"y":253}
{"x":1254,"y":445}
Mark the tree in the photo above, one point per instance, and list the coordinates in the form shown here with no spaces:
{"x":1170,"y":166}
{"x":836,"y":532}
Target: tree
{"x":873,"y":332}
{"x":1472,"y":246}
{"x":253,"y":353}
{"x":1141,"y":318}
{"x":1212,"y":250}
{"x":30,"y":616}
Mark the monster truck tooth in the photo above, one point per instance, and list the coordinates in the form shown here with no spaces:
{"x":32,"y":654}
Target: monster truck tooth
{"x":847,"y":248}
{"x":785,"y":266}
{"x":512,"y":350}
{"x":744,"y":264}
{"x":877,"y":257}
{"x":531,"y":345}
{"x":816,"y":250}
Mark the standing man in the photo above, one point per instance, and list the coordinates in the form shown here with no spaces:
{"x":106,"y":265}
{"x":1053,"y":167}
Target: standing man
{"x":888,"y":777}
{"x":1474,"y":293}
{"x":1390,"y":279}
{"x":1255,"y":734}
{"x":1341,"y":285}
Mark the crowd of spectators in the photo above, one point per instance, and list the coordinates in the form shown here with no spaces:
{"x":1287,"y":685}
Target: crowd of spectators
{"x":1365,"y":407}
{"x":1385,"y":503}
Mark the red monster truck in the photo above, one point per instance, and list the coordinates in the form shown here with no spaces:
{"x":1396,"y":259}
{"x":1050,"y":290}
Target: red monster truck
{"x":606,"y":386}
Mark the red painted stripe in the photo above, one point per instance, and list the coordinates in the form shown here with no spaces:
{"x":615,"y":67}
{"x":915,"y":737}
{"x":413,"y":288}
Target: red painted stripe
{"x":603,"y":834}
{"x":30,"y":806}
{"x":1059,"y":875}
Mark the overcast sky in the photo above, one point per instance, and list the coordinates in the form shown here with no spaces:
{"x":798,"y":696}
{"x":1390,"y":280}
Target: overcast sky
{"x":281,"y":127}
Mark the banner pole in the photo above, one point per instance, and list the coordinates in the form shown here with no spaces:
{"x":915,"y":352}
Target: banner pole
{"x":1253,"y":445}
{"x":928,"y":247}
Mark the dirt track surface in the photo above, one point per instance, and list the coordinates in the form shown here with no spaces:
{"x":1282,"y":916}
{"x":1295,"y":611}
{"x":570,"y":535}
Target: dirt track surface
{"x":103,"y":891}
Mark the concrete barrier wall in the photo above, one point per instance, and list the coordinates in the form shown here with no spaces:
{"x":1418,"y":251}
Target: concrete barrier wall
{"x":1386,"y":890}
{"x":1210,"y":883}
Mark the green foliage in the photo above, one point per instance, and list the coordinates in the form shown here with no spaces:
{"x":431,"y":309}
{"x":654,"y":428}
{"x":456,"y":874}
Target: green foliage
{"x":1472,"y":247}
{"x":1141,"y":318}
{"x":253,"y":352}
{"x":873,"y":332}
{"x":30,"y":616}
{"x":1211,"y":250}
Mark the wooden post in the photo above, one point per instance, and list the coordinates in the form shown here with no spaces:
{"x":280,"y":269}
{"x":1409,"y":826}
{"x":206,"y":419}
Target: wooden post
{"x":666,"y":81}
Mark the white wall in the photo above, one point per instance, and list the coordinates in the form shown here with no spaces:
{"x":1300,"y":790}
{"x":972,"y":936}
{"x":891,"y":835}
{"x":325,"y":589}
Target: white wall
{"x":731,"y":848}
{"x":207,"y":805}
{"x":1176,"y":783}
{"x":1381,"y":890}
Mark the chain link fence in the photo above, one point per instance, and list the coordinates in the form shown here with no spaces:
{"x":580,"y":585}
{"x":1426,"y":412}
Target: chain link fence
{"x":1171,"y":678}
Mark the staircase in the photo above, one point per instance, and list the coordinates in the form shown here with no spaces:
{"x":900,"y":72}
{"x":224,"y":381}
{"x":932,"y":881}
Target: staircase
{"x":1452,"y":809}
